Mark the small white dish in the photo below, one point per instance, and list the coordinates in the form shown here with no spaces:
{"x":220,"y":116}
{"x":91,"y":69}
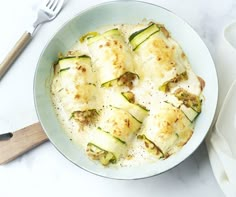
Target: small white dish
{"x":226,"y":122}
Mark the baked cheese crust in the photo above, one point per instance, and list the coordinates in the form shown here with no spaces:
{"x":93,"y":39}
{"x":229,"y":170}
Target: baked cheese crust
{"x":127,"y":94}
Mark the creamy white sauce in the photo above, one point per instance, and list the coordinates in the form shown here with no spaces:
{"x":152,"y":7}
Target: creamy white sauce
{"x":145,"y":94}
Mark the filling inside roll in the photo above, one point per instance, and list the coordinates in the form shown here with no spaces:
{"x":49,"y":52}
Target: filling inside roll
{"x":104,"y":147}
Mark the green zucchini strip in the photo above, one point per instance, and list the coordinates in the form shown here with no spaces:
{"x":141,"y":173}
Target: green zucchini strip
{"x":189,"y":112}
{"x":67,"y":63}
{"x":166,"y":86}
{"x":71,"y":57}
{"x":138,"y":111}
{"x":104,"y":147}
{"x":129,"y":96}
{"x":75,"y":80}
{"x":88,"y":36}
{"x":97,"y":153}
{"x":137,"y":38}
{"x":124,"y":80}
{"x":97,"y":37}
{"x":161,"y":57}
{"x":190,"y":100}
{"x":151,"y":146}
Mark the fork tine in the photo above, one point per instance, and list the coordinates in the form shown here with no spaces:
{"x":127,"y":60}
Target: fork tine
{"x":50,"y":4}
{"x":46,"y":2}
{"x":59,"y":6}
{"x":53,"y":7}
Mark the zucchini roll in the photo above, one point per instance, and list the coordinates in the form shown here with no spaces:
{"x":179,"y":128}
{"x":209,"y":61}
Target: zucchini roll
{"x":166,"y":130}
{"x":111,"y":138}
{"x":161,"y":57}
{"x":112,"y":58}
{"x":76,"y":70}
{"x":104,"y":147}
{"x":119,"y":123}
{"x":74,"y":85}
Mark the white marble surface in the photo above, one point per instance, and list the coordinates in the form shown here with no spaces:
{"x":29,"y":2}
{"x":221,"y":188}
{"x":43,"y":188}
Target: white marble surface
{"x":44,"y":171}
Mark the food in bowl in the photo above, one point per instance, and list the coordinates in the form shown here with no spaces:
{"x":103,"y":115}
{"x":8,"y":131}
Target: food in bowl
{"x":127,"y":94}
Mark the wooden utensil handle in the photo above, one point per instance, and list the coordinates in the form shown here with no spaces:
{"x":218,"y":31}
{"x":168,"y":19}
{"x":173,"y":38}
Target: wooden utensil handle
{"x":14,"y":53}
{"x":20,"y":142}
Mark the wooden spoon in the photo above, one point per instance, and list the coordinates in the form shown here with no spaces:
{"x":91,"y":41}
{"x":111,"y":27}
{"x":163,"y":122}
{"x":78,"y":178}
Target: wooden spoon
{"x":17,"y":143}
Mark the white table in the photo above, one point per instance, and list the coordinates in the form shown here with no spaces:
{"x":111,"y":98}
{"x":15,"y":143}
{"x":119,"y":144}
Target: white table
{"x":44,"y":171}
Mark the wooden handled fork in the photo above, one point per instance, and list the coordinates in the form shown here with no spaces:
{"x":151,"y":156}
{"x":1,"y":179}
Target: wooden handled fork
{"x":47,"y":11}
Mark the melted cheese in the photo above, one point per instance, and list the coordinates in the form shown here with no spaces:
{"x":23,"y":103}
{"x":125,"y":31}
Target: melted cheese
{"x":77,"y":86}
{"x":168,"y":128}
{"x":112,"y":56}
{"x":74,"y":84}
{"x":76,"y":71}
{"x":161,"y":58}
{"x":119,"y":123}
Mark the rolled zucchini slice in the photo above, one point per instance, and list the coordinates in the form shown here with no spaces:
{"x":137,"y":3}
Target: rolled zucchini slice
{"x":105,"y":147}
{"x":167,"y":128}
{"x":112,"y":58}
{"x":69,"y":61}
{"x":97,"y":153}
{"x":119,"y":123}
{"x":74,"y":84}
{"x":126,"y":101}
{"x":96,"y":36}
{"x":137,"y":38}
{"x":162,"y":59}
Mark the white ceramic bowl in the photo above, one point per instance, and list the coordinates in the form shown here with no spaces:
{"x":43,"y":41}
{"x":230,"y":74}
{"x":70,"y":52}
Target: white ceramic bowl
{"x":113,"y":13}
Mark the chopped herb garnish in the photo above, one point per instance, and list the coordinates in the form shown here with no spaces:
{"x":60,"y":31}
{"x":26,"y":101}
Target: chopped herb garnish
{"x":64,"y":69}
